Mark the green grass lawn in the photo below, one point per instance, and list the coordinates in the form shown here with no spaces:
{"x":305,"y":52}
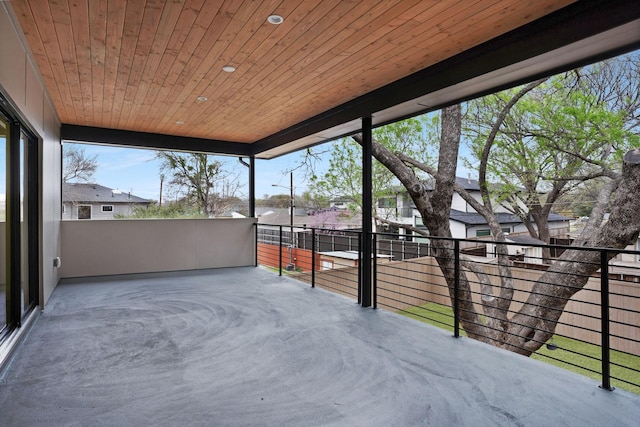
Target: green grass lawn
{"x":285,"y":272}
{"x":569,"y":351}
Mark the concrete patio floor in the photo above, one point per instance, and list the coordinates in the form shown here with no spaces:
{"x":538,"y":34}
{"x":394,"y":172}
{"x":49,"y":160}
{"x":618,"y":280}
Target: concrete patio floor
{"x":244,"y":347}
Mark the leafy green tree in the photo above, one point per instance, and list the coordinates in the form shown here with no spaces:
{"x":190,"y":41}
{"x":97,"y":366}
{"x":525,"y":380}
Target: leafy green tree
{"x":278,"y":201}
{"x":313,"y":201}
{"x":536,"y":143}
{"x":204,"y":182}
{"x":559,"y":134}
{"x":344,"y":176}
{"x":527,"y":329}
{"x":167,"y":210}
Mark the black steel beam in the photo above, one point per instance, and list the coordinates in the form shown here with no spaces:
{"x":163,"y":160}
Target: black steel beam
{"x":573,"y":23}
{"x":151,"y":140}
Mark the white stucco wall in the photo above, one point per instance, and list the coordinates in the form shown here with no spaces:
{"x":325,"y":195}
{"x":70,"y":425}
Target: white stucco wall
{"x":20,"y":82}
{"x":109,"y":247}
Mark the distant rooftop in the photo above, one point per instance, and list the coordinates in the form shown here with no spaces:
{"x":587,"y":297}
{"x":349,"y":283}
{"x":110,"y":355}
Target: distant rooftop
{"x":473,"y":218}
{"x":321,"y":218}
{"x":95,"y":193}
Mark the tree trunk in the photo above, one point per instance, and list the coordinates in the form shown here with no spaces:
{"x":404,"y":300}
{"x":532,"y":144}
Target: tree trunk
{"x":542,"y":221}
{"x":536,"y":321}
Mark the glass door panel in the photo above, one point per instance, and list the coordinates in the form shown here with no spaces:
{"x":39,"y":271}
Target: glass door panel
{"x":24,"y":226}
{"x":4,"y":140}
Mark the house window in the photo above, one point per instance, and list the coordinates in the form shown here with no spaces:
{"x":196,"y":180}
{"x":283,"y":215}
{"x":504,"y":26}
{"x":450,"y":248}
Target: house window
{"x":387,"y":202}
{"x":107,"y":208}
{"x":326,"y":264}
{"x":486,"y":232}
{"x":84,"y":211}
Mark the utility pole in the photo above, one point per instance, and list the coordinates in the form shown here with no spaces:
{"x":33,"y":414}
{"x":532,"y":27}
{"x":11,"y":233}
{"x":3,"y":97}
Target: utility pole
{"x":291,"y":266}
{"x":292,"y":207}
{"x":161,"y":181}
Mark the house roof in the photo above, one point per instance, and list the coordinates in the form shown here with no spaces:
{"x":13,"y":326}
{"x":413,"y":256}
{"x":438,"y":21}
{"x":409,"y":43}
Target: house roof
{"x":524,"y":239}
{"x":469,"y":218}
{"x":151,"y":73}
{"x":280,"y":216}
{"x":468,"y":184}
{"x":95,"y":193}
{"x":323,"y":218}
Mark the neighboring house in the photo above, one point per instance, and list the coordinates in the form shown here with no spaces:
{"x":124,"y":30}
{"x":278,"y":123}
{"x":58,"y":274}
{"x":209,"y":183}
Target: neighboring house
{"x":341,"y":203}
{"x":525,"y":246}
{"x":344,"y":259}
{"x":280,"y":216}
{"x":465,"y":221}
{"x":331,"y":218}
{"x":470,"y":225}
{"x":578,"y":225}
{"x":93,"y":201}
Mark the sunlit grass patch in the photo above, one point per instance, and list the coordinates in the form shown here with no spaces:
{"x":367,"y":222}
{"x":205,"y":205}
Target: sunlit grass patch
{"x":571,"y":354}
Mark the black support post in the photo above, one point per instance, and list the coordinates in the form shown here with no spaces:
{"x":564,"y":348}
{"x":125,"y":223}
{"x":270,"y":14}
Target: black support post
{"x":256,"y":245}
{"x":604,"y":317}
{"x":313,"y":257}
{"x":456,"y":289}
{"x":375,"y":271}
{"x":359,"y":267}
{"x":252,"y":187}
{"x":280,"y":253}
{"x":367,"y":203}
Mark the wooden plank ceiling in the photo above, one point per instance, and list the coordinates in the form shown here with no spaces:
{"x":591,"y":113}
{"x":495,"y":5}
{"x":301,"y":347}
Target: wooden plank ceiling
{"x":144,"y":65}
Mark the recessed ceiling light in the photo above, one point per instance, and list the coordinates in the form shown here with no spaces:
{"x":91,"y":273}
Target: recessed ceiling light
{"x":179,"y":122}
{"x":275,"y":19}
{"x":229,"y":68}
{"x":202,"y":98}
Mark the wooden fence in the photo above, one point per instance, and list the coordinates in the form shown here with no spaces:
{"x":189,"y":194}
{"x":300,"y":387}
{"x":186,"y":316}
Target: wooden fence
{"x":404,"y":284}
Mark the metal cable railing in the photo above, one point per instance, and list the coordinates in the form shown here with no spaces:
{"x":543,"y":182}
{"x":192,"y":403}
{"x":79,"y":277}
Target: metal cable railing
{"x":593,"y":327}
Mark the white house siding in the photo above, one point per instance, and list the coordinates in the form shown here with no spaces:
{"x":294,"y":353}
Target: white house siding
{"x":556,"y":228}
{"x":458,"y":230}
{"x":459,"y":204}
{"x":71,"y":210}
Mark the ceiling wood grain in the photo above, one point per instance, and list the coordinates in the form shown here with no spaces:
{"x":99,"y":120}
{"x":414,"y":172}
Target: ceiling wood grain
{"x":141,"y":65}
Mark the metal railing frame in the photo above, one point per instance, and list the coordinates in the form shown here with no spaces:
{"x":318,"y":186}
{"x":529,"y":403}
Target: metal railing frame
{"x":604,"y":282}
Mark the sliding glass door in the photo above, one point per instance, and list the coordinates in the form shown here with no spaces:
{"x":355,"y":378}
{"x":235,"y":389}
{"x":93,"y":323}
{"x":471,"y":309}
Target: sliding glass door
{"x":19,"y":224}
{"x":4,"y":138}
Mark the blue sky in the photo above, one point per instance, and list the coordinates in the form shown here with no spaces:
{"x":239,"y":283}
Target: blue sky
{"x":138,"y":171}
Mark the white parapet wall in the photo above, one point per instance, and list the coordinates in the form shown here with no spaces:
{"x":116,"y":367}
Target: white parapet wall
{"x":109,"y":247}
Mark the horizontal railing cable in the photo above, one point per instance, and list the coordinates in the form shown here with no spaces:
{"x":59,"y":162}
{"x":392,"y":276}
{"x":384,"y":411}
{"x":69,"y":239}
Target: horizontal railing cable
{"x":602,"y":313}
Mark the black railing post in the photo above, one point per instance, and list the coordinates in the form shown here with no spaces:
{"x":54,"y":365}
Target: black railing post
{"x":256,"y":254}
{"x":359,"y":268}
{"x":367,"y":208}
{"x":456,"y":289}
{"x":604,"y":308}
{"x":280,"y":253}
{"x":313,"y":257}
{"x":375,"y":271}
